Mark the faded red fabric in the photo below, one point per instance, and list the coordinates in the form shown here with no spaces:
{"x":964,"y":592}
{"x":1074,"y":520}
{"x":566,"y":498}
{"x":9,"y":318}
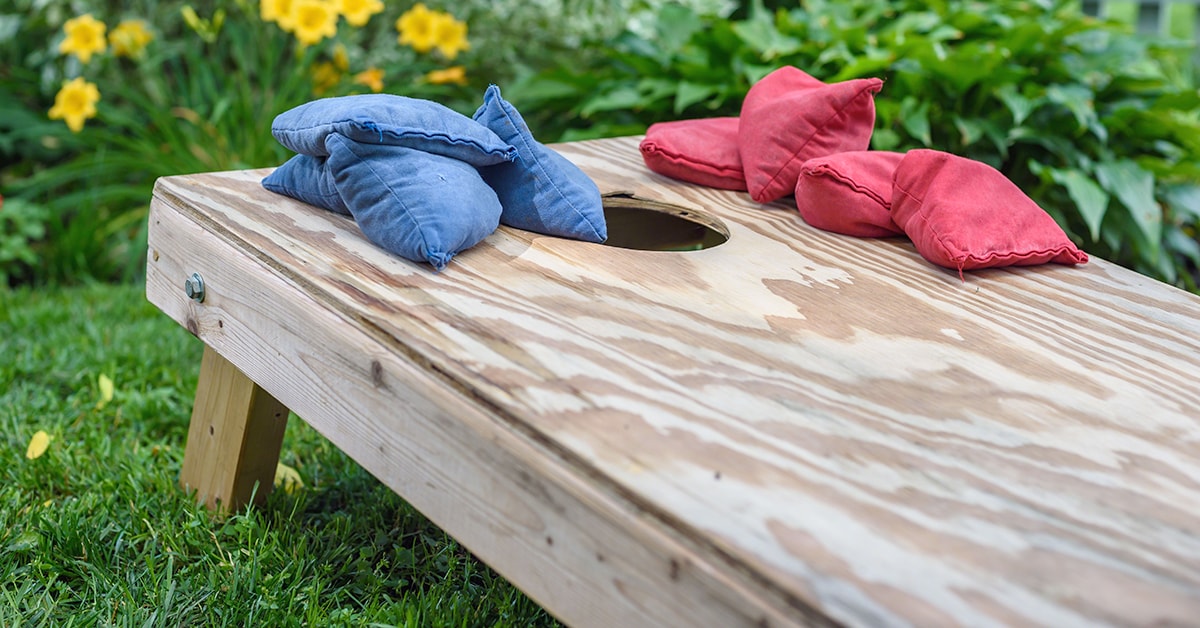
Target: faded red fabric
{"x":849,"y":193}
{"x":964,"y":214}
{"x":701,"y":151}
{"x":789,"y":117}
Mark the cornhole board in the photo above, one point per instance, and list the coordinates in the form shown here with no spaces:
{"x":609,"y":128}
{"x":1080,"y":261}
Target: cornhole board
{"x":792,"y":427}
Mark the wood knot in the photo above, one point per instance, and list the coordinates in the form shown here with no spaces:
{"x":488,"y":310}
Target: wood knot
{"x":377,"y":374}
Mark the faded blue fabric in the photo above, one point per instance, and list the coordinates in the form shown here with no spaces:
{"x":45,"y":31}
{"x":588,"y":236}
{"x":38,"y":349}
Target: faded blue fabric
{"x":391,"y":120}
{"x":418,"y":205}
{"x":307,"y":179}
{"x":540,"y":191}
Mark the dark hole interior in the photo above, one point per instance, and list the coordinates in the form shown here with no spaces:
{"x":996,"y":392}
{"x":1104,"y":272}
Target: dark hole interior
{"x":646,"y":225}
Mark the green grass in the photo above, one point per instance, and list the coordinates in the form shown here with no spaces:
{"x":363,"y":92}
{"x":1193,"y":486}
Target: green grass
{"x":96,"y":531}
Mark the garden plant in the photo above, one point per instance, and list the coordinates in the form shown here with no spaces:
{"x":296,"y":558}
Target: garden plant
{"x":99,"y":98}
{"x":1098,"y":125}
{"x":159,"y":93}
{"x":150,"y":89}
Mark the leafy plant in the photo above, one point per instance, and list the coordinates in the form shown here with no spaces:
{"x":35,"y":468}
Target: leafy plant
{"x":21,"y":224}
{"x":169,"y":88}
{"x":199,"y":95}
{"x":1099,"y":126}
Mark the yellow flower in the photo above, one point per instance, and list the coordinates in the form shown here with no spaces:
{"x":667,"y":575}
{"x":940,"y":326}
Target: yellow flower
{"x":288,"y":478}
{"x":416,"y":28}
{"x":278,"y":11}
{"x":75,"y":102}
{"x":85,"y":37}
{"x":372,"y":78}
{"x":129,"y":38}
{"x":325,"y":75}
{"x":359,"y":12}
{"x":313,"y":20}
{"x":450,"y":35}
{"x":37,"y":445}
{"x":456,"y":74}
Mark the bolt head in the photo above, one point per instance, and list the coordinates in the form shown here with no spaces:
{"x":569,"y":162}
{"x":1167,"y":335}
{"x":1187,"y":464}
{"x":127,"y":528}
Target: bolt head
{"x":193,"y":287}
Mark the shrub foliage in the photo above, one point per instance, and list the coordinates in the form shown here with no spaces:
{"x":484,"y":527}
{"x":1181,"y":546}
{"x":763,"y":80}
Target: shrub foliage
{"x":1100,"y":126}
{"x":198,"y":95}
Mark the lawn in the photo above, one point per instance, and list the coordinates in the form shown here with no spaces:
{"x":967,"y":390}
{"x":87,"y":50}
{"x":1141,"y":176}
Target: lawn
{"x":96,"y":530}
{"x":1097,"y":125}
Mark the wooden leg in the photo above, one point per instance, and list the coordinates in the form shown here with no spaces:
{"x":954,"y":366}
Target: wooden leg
{"x":234,"y":438}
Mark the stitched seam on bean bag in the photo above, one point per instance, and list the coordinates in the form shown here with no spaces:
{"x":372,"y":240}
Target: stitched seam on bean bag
{"x":824,"y":170}
{"x":677,"y":158}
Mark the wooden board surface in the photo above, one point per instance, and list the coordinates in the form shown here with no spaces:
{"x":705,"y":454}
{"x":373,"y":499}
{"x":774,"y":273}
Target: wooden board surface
{"x":804,"y":425}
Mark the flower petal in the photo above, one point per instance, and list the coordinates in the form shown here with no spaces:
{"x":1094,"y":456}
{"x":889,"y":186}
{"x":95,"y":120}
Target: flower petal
{"x":106,"y":391}
{"x":37,"y":445}
{"x":287,"y":478}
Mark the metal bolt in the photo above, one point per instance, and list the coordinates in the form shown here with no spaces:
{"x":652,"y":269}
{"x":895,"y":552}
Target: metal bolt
{"x":194,"y":287}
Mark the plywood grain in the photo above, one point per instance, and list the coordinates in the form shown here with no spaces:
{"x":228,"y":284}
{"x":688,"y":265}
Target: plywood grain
{"x":830,"y":427}
{"x":591,"y":557}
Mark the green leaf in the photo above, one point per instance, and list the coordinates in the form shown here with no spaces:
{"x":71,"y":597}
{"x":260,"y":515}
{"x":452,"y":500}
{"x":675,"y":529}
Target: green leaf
{"x":637,"y":52}
{"x":676,"y":25}
{"x":873,"y":63}
{"x":1180,"y":243}
{"x":1078,"y":100}
{"x":910,"y":23}
{"x":689,"y":94}
{"x":1090,"y":198}
{"x":885,"y":139}
{"x":755,"y":72}
{"x":970,"y":131}
{"x":655,"y":89}
{"x":626,"y":97}
{"x":1018,"y":105}
{"x":1052,"y":142}
{"x":762,"y":37}
{"x":1184,"y":200}
{"x":1134,"y":187}
{"x":914,"y":116}
{"x":945,"y":32}
{"x":1182,"y":100}
{"x":1165,"y":266}
{"x":546,"y":88}
{"x":10,"y":25}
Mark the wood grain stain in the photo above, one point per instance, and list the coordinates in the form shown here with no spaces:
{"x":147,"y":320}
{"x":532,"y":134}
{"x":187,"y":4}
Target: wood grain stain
{"x":858,"y":435}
